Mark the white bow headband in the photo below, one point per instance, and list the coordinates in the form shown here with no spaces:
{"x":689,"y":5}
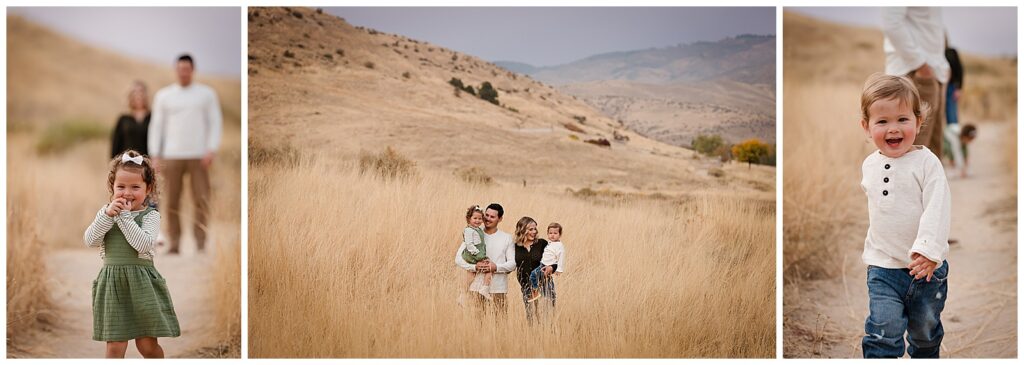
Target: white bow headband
{"x":137,"y":159}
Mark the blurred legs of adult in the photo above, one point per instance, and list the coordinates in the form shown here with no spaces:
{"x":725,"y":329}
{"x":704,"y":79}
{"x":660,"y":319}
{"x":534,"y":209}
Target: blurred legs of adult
{"x":174,"y":172}
{"x":932,"y":95}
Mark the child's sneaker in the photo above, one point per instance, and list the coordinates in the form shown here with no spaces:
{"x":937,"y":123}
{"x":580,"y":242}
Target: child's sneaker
{"x":534,"y":295}
{"x":486,"y":292}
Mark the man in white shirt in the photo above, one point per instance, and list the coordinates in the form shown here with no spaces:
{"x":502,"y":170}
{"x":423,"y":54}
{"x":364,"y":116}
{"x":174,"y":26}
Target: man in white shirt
{"x":184,"y":133}
{"x":915,"y":47}
{"x":501,"y":253}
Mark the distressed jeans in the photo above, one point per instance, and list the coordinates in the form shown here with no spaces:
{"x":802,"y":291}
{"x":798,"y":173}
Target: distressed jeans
{"x":900,"y":305}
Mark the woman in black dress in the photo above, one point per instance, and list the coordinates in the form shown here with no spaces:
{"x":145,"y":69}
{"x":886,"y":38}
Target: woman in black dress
{"x":132,"y":129}
{"x":529,"y":250}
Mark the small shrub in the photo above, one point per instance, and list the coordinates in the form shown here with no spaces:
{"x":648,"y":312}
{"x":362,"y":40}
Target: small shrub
{"x":319,"y":10}
{"x":388,"y":164}
{"x":707,"y":144}
{"x":580,"y":118}
{"x":340,"y":52}
{"x":289,"y":54}
{"x":574,"y":137}
{"x":297,"y":14}
{"x":488,"y":93}
{"x":281,"y":154}
{"x":329,"y":56}
{"x":62,"y":136}
{"x":474,"y":175}
{"x":599,"y":142}
{"x":368,"y":65}
{"x":716,"y":172}
{"x":406,"y":74}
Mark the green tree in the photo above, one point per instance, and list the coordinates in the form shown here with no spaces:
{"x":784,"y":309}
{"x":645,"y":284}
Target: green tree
{"x":456,"y":82}
{"x":707,"y":144}
{"x":487,"y":92}
{"x":750,"y":151}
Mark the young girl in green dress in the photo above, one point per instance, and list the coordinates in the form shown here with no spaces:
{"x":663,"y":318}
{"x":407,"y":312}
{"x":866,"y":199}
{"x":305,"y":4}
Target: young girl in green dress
{"x":130,"y":299}
{"x":474,"y":251}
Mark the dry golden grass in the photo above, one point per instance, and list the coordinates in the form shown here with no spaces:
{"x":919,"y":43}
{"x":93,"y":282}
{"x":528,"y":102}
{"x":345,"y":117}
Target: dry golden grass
{"x":344,"y":264}
{"x":28,"y":300}
{"x":821,"y":192}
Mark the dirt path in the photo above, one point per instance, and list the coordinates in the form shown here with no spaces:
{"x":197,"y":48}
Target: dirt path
{"x":980,"y":318}
{"x":72,"y":272}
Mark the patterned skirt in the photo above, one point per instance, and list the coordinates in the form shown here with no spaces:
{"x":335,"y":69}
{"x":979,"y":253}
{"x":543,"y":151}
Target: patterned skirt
{"x":131,"y":301}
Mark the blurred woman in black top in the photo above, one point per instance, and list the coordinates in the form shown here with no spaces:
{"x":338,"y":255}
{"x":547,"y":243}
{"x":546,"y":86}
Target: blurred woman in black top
{"x":132,"y":129}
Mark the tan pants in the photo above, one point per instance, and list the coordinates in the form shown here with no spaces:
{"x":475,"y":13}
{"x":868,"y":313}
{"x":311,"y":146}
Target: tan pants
{"x":932,"y":94}
{"x":174,"y":172}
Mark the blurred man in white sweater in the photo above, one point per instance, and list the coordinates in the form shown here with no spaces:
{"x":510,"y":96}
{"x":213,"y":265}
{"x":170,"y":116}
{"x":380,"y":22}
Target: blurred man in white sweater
{"x":184,"y":134}
{"x":915,"y":47}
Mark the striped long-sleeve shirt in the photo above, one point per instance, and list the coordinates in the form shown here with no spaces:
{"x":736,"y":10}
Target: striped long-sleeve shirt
{"x":142,"y":239}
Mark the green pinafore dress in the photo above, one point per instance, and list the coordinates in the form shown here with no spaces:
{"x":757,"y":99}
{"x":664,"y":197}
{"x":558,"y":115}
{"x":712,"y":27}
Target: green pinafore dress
{"x":129,"y":297}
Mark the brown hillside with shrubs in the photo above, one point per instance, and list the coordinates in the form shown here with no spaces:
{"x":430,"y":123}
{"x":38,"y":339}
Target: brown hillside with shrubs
{"x":318,"y":83}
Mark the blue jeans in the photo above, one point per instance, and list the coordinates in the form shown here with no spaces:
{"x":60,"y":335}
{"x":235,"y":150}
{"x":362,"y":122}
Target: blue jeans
{"x":536,"y":276}
{"x":899,"y":304}
{"x":547,"y":290}
{"x":951,"y":108}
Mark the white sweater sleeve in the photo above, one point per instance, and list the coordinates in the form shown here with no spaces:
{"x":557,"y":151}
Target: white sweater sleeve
{"x":141,"y":238}
{"x":98,"y":229}
{"x":933,"y":229}
{"x":156,"y":126}
{"x":460,"y":262}
{"x":895,"y":27}
{"x":214,"y":119}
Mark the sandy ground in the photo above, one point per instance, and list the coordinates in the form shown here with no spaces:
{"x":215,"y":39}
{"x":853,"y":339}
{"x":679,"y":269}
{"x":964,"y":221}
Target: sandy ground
{"x":72,"y":272}
{"x":980,"y":318}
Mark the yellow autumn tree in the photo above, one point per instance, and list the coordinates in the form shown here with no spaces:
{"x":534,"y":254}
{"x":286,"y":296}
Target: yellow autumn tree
{"x":750,"y":151}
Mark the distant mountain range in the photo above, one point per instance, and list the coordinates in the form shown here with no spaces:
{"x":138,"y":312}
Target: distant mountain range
{"x":675,"y":93}
{"x":746,"y":58}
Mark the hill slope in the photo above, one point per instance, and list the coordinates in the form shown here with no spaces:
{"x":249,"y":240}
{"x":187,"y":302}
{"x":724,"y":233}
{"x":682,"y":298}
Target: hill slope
{"x":60,"y":78}
{"x":320,"y":84}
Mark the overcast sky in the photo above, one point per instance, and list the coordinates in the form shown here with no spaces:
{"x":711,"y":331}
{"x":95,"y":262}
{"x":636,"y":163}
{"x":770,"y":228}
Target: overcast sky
{"x":547,"y":36}
{"x":990,"y":31}
{"x":156,"y":35}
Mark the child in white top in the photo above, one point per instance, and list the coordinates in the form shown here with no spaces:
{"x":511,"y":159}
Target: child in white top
{"x":909,"y":217}
{"x":554,"y":254}
{"x":474,"y":250}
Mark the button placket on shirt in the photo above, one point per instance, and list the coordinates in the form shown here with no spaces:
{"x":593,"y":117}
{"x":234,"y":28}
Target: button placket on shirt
{"x":887,"y":167}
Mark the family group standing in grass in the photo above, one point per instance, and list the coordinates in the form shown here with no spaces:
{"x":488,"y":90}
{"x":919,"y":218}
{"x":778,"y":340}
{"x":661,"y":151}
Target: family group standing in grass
{"x":488,"y":255}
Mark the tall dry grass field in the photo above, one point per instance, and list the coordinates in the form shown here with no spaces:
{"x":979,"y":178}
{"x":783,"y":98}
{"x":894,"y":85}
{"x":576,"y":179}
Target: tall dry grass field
{"x":821,"y":188}
{"x":28,"y":300}
{"x":344,"y":264}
